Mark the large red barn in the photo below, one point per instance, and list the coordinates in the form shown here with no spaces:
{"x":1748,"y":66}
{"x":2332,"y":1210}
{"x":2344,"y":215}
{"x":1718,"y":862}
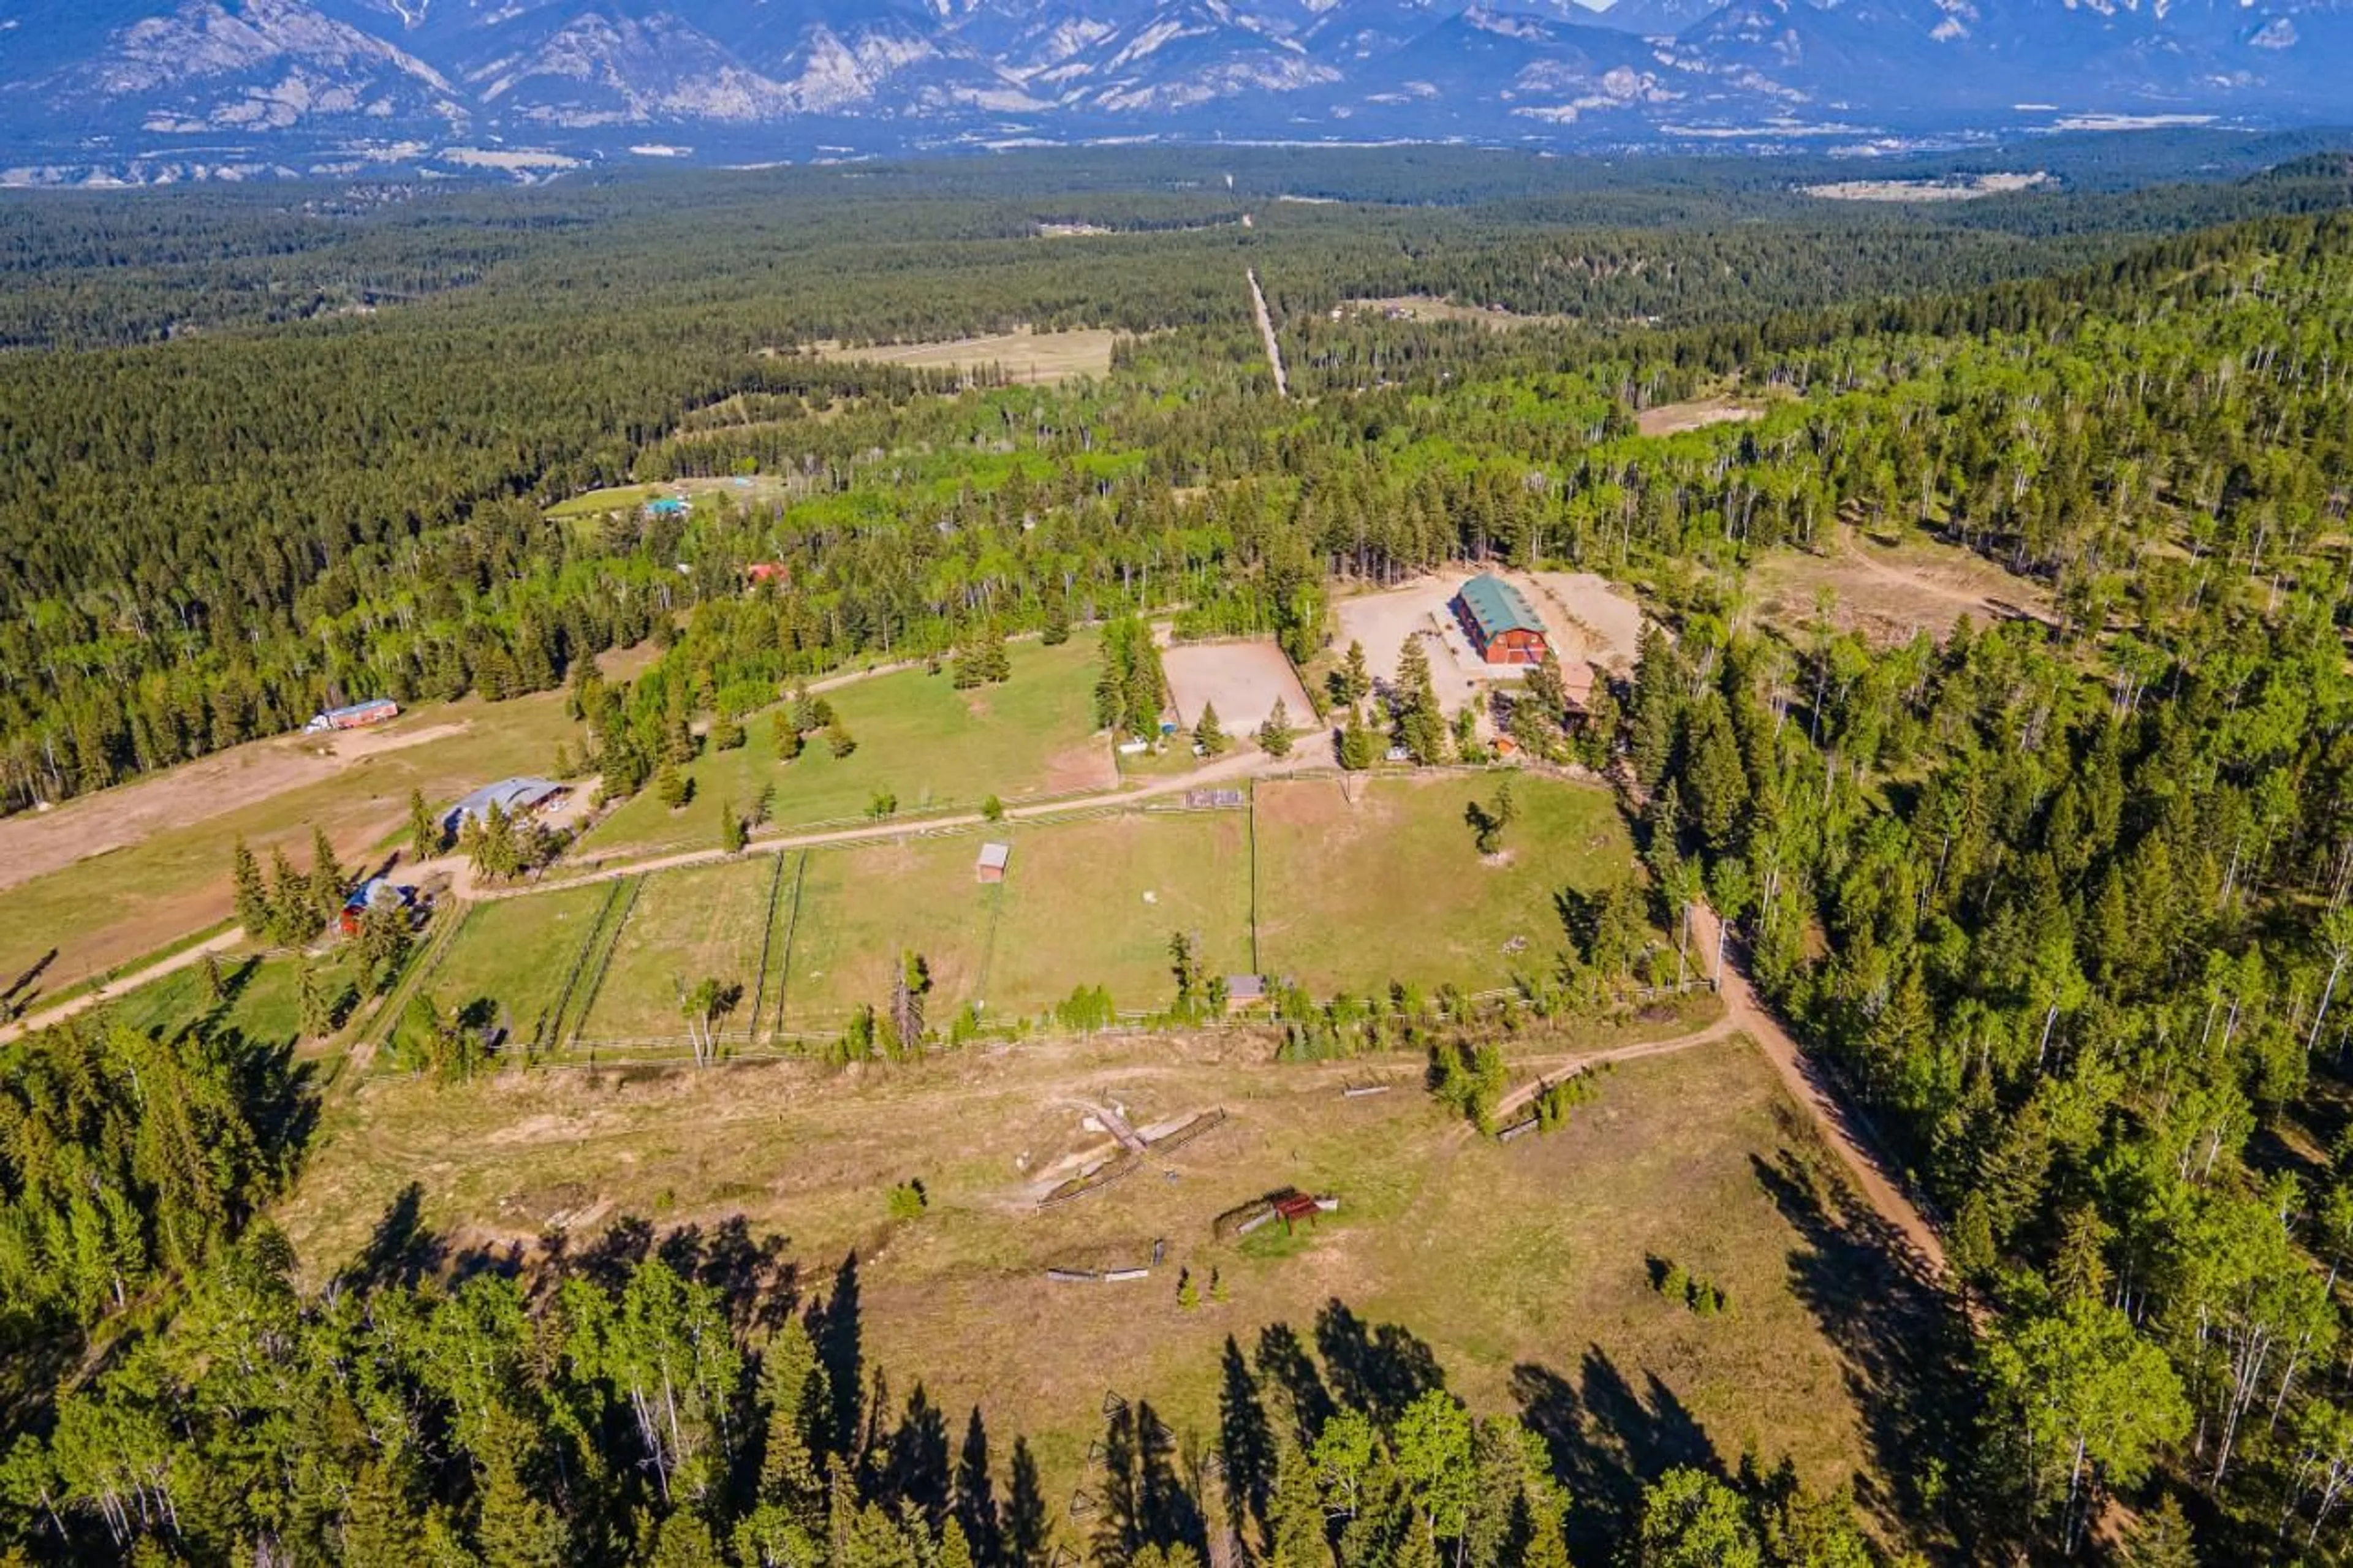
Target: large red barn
{"x":1495,"y":617}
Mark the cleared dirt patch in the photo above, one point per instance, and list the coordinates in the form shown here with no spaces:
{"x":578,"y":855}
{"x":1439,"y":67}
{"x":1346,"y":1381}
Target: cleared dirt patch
{"x":1889,"y":596}
{"x":1589,"y":618}
{"x":1584,"y":618}
{"x":1957,"y":188}
{"x":1674,"y":418}
{"x":1244,"y":679}
{"x":1429,"y":308}
{"x":1027,"y":357}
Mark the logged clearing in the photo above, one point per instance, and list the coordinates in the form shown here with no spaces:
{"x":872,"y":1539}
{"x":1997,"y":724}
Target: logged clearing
{"x":1674,"y":418}
{"x":1890,"y":593}
{"x":918,"y":739}
{"x":750,"y":490}
{"x":1096,"y":903}
{"x":128,"y":871}
{"x":1026,"y":357}
{"x":1954,"y":188}
{"x":1391,"y":887}
{"x":1523,"y":1269}
{"x":1429,"y":308}
{"x":1242,"y":680}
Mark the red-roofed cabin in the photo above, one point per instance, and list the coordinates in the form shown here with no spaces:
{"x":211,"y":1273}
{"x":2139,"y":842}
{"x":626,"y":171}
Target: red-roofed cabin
{"x":774,"y":571}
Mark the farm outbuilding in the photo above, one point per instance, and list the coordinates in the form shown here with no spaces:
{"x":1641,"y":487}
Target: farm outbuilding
{"x":516,"y":797}
{"x":1245,"y":993}
{"x":1497,"y":618}
{"x":355,"y":716}
{"x":990,"y":866}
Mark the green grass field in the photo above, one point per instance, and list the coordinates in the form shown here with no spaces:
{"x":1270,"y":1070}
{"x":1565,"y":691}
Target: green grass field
{"x":1095,"y":903}
{"x":517,"y":953}
{"x":702,"y":923}
{"x":918,"y":737}
{"x":1391,"y":888}
{"x":860,"y":909}
{"x":263,"y":1005}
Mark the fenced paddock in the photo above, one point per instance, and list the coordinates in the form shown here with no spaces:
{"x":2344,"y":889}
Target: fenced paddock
{"x":1244,"y":679}
{"x":685,"y":926}
{"x":1402,"y":848}
{"x":521,"y":955}
{"x":1096,"y":902}
{"x":860,"y":909}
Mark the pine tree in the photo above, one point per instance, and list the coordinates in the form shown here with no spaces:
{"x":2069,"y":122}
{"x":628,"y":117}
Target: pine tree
{"x":252,"y":895}
{"x":793,"y":1388}
{"x":315,"y":1007}
{"x":1208,"y":733}
{"x":1355,"y":677}
{"x":838,"y":739}
{"x":327,"y":883}
{"x":424,"y":831}
{"x":1274,"y":735}
{"x":732,"y":835}
{"x":785,"y":736}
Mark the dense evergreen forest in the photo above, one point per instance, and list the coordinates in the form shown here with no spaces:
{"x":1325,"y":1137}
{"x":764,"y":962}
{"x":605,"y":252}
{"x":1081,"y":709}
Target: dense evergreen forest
{"x":209,"y":537}
{"x":2063,"y":904}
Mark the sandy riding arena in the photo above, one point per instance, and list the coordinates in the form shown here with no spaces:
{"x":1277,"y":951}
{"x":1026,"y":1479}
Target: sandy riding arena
{"x":1242,"y":679}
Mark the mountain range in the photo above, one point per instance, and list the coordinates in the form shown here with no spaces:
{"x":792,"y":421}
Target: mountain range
{"x":111,"y":89}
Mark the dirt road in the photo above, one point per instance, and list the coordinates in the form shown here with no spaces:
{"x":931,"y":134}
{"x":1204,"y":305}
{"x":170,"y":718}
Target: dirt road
{"x":1857,"y":1148}
{"x":160,"y":970}
{"x":1266,"y":332}
{"x":1241,"y":764}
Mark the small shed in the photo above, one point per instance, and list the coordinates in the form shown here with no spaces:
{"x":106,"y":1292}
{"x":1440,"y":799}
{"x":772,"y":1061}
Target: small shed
{"x":1245,"y":993}
{"x":990,"y":866}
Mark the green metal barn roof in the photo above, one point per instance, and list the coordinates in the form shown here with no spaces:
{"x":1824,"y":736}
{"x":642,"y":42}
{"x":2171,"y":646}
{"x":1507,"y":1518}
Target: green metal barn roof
{"x":1498,"y":607}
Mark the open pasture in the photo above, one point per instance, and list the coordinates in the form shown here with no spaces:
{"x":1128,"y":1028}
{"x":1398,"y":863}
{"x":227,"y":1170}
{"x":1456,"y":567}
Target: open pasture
{"x":1242,"y":680}
{"x":703,"y":922}
{"x":1391,"y":888}
{"x":1096,"y":903}
{"x":1026,"y":356}
{"x":860,"y":909}
{"x":918,"y":739}
{"x":516,"y":955}
{"x":1521,"y":1269}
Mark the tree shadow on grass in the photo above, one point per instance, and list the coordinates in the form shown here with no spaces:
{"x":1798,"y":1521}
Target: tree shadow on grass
{"x":401,"y":1251}
{"x":1903,"y":1343}
{"x":1379,"y":1370}
{"x":758,"y":1286}
{"x":1607,"y":1441}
